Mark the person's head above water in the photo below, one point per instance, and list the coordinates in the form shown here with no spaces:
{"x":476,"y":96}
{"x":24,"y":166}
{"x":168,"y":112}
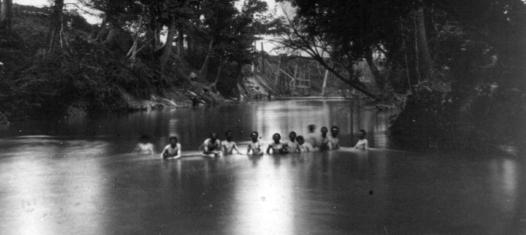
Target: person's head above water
{"x":300,"y":140}
{"x":276,"y":137}
{"x":173,"y":140}
{"x":229,"y":135}
{"x":362,"y":134}
{"x":254,"y":136}
{"x":335,"y":131}
{"x":213,"y":136}
{"x":144,"y":138}
{"x":311,"y":128}
{"x":324,"y":131}
{"x":292,"y":136}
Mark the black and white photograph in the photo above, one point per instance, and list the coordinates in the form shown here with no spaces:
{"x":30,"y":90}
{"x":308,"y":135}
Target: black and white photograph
{"x":263,"y":117}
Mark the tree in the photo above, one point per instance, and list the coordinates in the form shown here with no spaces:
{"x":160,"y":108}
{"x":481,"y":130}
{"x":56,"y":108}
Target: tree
{"x":340,"y":33}
{"x":55,"y":38}
{"x":218,"y":36}
{"x":423,"y":42}
{"x":217,"y":18}
{"x":235,"y":45}
{"x":475,"y":49}
{"x":6,"y":14}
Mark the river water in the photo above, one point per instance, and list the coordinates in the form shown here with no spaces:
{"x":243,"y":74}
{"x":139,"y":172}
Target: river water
{"x":79,"y":177}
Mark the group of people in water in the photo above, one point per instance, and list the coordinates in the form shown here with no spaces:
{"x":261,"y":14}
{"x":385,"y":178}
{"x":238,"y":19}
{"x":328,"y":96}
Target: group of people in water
{"x":214,"y":147}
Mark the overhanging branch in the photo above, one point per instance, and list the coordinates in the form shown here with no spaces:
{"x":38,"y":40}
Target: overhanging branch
{"x":310,"y":47}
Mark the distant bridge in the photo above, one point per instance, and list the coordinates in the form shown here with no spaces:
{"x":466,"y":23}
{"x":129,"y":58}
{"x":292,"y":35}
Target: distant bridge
{"x":292,"y":75}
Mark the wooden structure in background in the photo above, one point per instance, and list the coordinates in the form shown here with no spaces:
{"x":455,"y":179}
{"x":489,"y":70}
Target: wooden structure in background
{"x":287,"y":74}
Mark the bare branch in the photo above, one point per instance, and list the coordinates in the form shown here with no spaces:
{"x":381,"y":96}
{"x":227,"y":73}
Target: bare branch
{"x":309,"y":46}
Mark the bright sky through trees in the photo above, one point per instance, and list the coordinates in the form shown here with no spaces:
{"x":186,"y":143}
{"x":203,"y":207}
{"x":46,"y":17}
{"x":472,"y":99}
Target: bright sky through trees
{"x":268,"y":45}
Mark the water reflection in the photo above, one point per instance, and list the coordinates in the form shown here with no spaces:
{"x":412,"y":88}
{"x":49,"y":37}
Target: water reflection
{"x":61,"y":179}
{"x":504,"y":173}
{"x":290,"y":116}
{"x":264,"y":200}
{"x":193,"y":125}
{"x":48,"y":190}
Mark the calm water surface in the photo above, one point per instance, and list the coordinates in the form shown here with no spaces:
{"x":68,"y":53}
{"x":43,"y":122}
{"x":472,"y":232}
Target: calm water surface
{"x":78,"y":177}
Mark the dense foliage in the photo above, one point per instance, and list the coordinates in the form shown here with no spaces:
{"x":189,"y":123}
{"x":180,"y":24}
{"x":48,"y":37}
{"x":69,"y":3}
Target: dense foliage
{"x":462,"y":61}
{"x":52,"y":58}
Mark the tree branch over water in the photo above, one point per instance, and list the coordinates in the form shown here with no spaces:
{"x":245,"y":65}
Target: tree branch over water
{"x":314,"y":46}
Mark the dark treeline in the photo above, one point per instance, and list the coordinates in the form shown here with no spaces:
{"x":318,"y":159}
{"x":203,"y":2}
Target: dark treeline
{"x":53,"y":58}
{"x":453,"y":67}
{"x":461,"y":63}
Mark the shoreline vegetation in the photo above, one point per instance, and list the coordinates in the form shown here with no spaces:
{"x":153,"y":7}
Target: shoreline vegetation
{"x":456,"y":76}
{"x":95,"y":69}
{"x":53,"y":63}
{"x":100,"y":69}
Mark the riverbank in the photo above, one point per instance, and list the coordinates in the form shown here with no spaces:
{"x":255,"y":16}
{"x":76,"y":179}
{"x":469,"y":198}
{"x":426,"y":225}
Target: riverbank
{"x":91,"y":69}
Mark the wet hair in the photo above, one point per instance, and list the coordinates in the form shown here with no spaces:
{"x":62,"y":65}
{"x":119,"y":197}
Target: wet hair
{"x":144,"y":137}
{"x":334,"y":131}
{"x":293,"y":133}
{"x":254,"y":134}
{"x":311,"y":127}
{"x":363,"y":133}
{"x":300,"y":139}
{"x":213,"y":135}
{"x":229,"y":135}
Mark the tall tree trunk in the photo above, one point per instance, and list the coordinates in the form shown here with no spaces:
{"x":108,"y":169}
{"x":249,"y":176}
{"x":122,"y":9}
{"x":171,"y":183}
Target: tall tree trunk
{"x":167,"y":50}
{"x":6,"y":15}
{"x":102,"y":32}
{"x":427,"y":63}
{"x":378,"y":77}
{"x":180,"y":42}
{"x":190,"y":44}
{"x":262,"y":58}
{"x":152,"y":34}
{"x":324,"y":84}
{"x":204,"y":68}
{"x":418,"y":73}
{"x":55,"y":31}
{"x":218,"y":74}
{"x":241,"y":89}
{"x":278,"y":72}
{"x":407,"y":72}
{"x":405,"y":50}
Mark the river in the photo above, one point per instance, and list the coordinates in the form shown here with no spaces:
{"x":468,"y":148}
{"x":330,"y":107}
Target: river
{"x":79,"y":177}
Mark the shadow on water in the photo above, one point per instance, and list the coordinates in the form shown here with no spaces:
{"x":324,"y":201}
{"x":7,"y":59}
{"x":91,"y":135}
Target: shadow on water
{"x":193,"y":125}
{"x":81,"y":178}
